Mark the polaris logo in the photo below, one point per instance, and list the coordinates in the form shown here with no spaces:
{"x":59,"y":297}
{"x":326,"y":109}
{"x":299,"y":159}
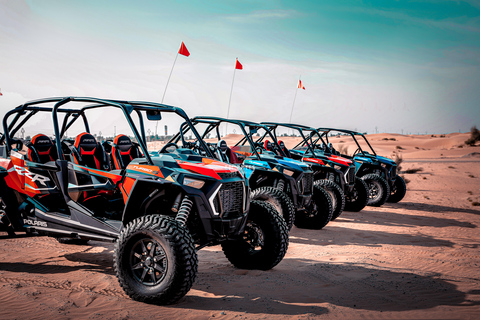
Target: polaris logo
{"x":34,"y":176}
{"x":43,"y":141}
{"x":88,"y":140}
{"x":125,"y":141}
{"x":31,"y":222}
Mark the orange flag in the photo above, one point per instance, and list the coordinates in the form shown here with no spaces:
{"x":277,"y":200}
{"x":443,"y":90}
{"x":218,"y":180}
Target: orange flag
{"x":183,"y":50}
{"x":238,"y":65}
{"x":300,"y":85}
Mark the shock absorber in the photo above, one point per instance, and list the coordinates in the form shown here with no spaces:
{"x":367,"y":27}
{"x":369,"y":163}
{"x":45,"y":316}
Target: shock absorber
{"x":280,"y":184}
{"x":184,"y":210}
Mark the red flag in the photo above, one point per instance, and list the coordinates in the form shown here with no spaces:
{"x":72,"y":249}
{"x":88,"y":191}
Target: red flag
{"x":183,"y":50}
{"x":238,"y":65}
{"x":1,"y":94}
{"x":300,"y":85}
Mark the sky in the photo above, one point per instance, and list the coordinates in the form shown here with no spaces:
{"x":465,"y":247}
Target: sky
{"x":372,"y":66}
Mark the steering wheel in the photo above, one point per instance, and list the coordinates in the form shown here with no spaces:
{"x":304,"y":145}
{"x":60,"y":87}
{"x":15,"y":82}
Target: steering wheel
{"x":168,"y":145}
{"x":18,"y":143}
{"x":258,"y":147}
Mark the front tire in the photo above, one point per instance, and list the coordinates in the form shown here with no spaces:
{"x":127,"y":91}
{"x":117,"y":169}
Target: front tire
{"x":155,"y":260}
{"x":279,"y":200}
{"x":337,"y":195}
{"x":398,"y":191}
{"x":378,"y":189}
{"x":319,"y":213}
{"x":357,"y":199}
{"x":264,"y":242}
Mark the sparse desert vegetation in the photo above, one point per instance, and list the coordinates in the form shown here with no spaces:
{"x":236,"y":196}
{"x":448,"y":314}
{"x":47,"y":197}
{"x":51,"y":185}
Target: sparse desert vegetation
{"x":474,"y":136}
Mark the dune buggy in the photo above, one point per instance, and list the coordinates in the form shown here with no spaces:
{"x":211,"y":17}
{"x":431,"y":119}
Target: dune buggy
{"x":378,"y":172}
{"x":158,"y":210}
{"x":286,"y":183}
{"x":335,"y":174}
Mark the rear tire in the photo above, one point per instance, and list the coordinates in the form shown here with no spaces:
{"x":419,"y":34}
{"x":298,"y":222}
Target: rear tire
{"x":378,"y":189}
{"x":5,"y":224}
{"x":357,"y":199}
{"x":155,"y":260}
{"x":279,"y":200}
{"x":319,"y":212}
{"x":264,"y":242}
{"x":337,"y":195}
{"x":398,"y":190}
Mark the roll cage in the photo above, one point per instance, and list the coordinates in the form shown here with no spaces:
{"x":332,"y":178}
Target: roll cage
{"x":306,"y":133}
{"x":326,"y":131}
{"x":214,"y":123}
{"x":57,"y":105}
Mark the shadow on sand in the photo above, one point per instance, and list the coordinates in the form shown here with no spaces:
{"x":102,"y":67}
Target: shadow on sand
{"x":297,"y":287}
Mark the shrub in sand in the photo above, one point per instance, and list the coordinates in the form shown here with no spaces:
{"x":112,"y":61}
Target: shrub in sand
{"x":474,"y":136}
{"x":413,"y":170}
{"x":398,"y":160}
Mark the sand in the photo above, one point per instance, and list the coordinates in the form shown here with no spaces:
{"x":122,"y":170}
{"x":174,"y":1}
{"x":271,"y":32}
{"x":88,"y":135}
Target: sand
{"x":417,"y":259}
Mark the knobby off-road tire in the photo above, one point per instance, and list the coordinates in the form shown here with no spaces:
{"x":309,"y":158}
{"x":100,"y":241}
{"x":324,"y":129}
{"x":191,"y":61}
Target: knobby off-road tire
{"x":279,"y":200}
{"x":398,"y":190}
{"x":319,"y":213}
{"x":264,"y":242}
{"x":336,"y":194}
{"x":5,"y":224}
{"x":378,"y":189}
{"x":155,"y":260}
{"x":357,"y":199}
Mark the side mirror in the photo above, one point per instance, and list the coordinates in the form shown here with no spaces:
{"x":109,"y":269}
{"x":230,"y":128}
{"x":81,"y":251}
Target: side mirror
{"x":154,"y":115}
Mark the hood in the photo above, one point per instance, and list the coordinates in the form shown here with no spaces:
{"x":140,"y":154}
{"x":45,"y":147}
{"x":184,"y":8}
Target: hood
{"x":340,"y":160}
{"x":386,"y":160}
{"x":208,"y":167}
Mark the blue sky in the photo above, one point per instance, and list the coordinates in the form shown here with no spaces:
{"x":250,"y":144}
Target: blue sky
{"x":391,"y":66}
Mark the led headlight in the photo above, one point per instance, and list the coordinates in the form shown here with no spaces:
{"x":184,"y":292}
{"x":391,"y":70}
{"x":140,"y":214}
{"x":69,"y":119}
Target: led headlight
{"x":194,"y":183}
{"x":288,"y":172}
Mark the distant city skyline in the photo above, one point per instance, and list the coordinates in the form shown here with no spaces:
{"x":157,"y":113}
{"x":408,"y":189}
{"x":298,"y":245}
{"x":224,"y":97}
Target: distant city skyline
{"x":390,"y":66}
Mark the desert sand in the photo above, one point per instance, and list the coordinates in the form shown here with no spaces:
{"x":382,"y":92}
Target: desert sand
{"x":417,"y":259}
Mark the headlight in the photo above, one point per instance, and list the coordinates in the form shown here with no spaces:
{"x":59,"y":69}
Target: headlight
{"x":288,"y":172}
{"x":194,"y":183}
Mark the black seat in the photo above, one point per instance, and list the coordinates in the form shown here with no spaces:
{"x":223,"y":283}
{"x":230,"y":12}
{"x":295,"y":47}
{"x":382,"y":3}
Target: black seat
{"x":284,"y":148}
{"x":88,"y":152}
{"x":124,"y":151}
{"x":41,"y":149}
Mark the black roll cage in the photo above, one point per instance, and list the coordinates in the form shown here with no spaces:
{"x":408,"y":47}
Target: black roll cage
{"x":326,"y":131}
{"x":300,"y":128}
{"x":214,"y":123}
{"x":126,"y":106}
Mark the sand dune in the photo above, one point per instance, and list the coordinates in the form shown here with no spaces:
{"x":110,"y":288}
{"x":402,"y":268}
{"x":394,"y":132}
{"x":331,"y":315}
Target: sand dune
{"x":417,"y":259}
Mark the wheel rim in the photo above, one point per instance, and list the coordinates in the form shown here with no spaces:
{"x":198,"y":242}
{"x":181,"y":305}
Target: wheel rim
{"x":352,"y":196}
{"x":148,"y":262}
{"x":254,"y":236}
{"x":375,"y":190}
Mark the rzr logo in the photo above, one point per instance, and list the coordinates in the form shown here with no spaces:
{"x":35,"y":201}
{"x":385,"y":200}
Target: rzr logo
{"x":34,"y":176}
{"x":125,"y":141}
{"x":43,"y":141}
{"x":88,"y":140}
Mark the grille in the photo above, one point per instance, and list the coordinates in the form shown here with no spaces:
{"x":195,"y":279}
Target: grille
{"x":227,"y":175}
{"x":229,"y":200}
{"x":307,"y":181}
{"x":350,"y":176}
